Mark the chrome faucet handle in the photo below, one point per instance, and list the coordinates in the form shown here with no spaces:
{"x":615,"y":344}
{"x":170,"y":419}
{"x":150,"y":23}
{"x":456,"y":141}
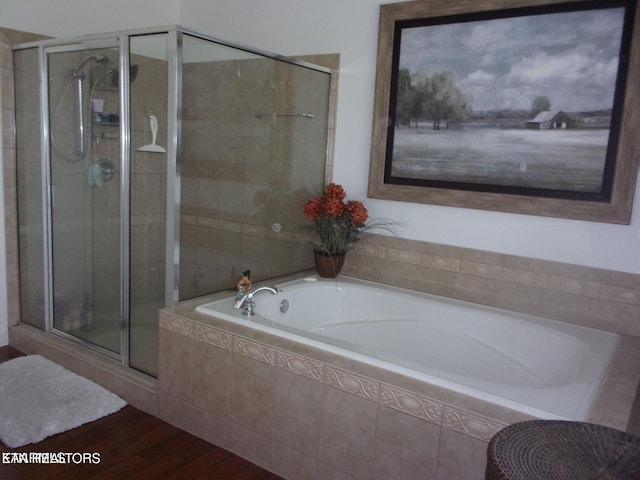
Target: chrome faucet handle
{"x":248,"y":308}
{"x":240,"y":292}
{"x":241,"y":300}
{"x":246,"y":301}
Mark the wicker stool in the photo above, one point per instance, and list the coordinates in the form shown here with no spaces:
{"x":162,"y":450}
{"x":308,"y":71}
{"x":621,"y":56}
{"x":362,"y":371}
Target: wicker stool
{"x":554,"y":450}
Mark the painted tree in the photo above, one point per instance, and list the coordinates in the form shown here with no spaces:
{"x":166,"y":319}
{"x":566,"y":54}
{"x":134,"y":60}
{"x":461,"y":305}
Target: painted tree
{"x":409,"y":99}
{"x":443,"y":101}
{"x":435,"y":98}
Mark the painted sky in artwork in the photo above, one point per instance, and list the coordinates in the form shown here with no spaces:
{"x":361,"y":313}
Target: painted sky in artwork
{"x":571,"y":58}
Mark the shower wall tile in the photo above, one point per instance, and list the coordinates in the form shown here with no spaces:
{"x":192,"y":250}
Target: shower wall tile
{"x":241,"y":169}
{"x":148,"y":194}
{"x":208,"y":197}
{"x":9,"y":171}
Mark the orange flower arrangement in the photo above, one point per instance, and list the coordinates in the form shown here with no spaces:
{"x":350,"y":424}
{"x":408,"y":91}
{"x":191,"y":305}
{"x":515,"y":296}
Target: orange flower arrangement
{"x":338,"y":224}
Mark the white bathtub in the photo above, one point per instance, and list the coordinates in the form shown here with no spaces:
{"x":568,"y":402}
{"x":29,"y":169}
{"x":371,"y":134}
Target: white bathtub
{"x":541,"y":367}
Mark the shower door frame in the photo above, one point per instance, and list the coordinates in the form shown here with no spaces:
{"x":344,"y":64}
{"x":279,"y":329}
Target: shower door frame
{"x":121,"y":40}
{"x":122,"y":43}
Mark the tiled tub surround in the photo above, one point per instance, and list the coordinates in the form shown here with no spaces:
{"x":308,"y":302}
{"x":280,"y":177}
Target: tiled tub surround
{"x":607,"y":300}
{"x":308,"y":414}
{"x":537,"y":366}
{"x":604,"y":299}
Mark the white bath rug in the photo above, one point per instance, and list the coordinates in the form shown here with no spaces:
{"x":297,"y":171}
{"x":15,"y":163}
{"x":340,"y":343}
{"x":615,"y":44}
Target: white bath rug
{"x":39,"y":398}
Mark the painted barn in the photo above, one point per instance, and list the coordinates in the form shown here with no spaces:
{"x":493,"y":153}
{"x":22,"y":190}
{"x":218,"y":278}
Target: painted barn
{"x":549,"y":121}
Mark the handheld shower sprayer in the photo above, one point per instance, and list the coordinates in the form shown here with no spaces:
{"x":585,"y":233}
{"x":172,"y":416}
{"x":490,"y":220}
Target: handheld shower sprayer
{"x":78,"y":75}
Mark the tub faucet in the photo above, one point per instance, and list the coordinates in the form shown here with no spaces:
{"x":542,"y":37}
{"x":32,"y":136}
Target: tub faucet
{"x":246,"y":301}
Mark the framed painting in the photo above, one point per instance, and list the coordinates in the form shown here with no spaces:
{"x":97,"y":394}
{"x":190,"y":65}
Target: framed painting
{"x":527,"y":109}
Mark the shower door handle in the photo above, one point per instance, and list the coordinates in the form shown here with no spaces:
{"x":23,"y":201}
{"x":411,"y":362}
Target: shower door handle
{"x":52,"y":195}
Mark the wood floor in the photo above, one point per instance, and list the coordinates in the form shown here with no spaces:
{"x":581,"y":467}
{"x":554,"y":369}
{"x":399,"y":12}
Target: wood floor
{"x":132,"y":445}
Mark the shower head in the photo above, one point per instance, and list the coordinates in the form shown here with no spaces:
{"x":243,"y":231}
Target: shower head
{"x":115,"y":74}
{"x":97,"y":58}
{"x":103,"y":59}
{"x":111,"y":68}
{"x":100,"y":58}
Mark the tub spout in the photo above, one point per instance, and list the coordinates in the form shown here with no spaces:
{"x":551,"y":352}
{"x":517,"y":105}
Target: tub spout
{"x":246,"y":302}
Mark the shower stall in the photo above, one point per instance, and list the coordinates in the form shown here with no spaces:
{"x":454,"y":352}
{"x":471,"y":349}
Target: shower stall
{"x":155,"y":166}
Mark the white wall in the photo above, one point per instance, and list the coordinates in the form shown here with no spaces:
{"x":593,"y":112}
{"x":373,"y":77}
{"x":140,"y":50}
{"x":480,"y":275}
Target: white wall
{"x":70,"y":18}
{"x":4,"y":314}
{"x":348,"y":27}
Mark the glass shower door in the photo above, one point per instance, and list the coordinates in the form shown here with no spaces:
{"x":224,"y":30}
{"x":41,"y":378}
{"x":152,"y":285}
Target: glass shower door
{"x":84,"y":159}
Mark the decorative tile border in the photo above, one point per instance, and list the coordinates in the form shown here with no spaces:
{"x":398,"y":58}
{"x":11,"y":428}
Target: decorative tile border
{"x":619,"y":294}
{"x":212,"y":336}
{"x":411,"y":404}
{"x":579,"y":287}
{"x":386,"y":395}
{"x":525,"y":277}
{"x":441,"y":263}
{"x":481,"y":269}
{"x":254,"y":350}
{"x":351,"y":383}
{"x":299,"y":365}
{"x":176,"y":325}
{"x":470,"y":424}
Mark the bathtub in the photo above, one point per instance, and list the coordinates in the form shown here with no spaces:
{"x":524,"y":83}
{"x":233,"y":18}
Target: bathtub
{"x":537,"y":366}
